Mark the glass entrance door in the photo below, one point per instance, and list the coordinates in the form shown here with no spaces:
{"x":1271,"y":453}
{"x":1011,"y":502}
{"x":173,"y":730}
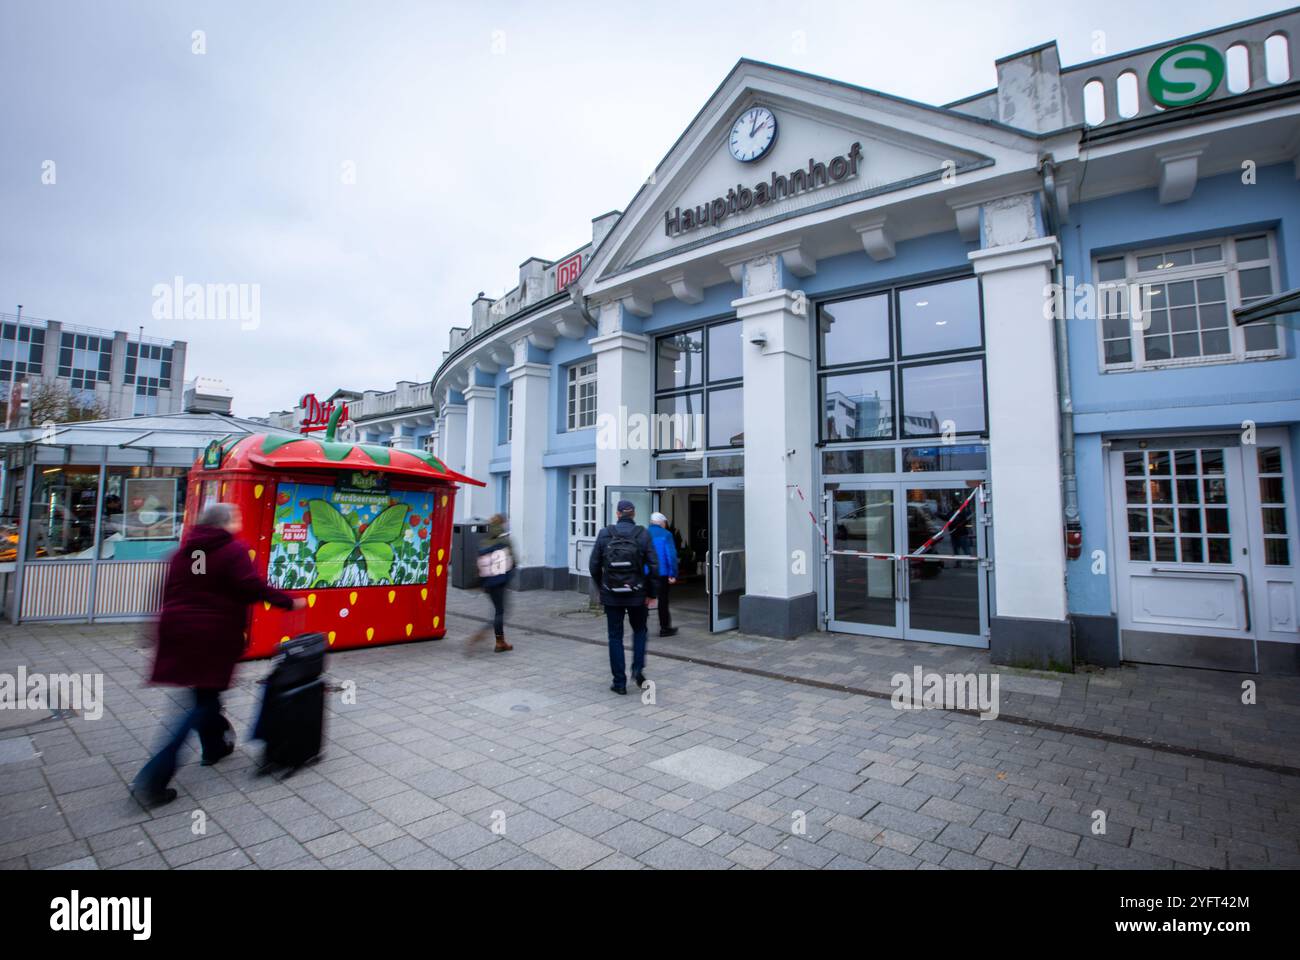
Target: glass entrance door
{"x":907,"y":560}
{"x":865,"y":593}
{"x":725,"y":563}
{"x":645,"y":499}
{"x":943,"y":581}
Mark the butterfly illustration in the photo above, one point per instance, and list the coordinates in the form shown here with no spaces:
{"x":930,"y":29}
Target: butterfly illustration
{"x":343,"y":544}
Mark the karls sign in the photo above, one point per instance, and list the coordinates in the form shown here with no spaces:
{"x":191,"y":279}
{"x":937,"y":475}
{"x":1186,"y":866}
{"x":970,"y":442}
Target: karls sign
{"x":316,"y":415}
{"x":1187,"y":74}
{"x":742,"y":199}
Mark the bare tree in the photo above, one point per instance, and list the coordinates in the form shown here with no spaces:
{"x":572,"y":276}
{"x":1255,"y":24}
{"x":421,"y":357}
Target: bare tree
{"x":50,"y":401}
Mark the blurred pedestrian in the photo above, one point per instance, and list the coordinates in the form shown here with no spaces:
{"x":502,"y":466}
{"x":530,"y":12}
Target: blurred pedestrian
{"x":666,"y":553}
{"x":201,"y":634}
{"x":624,"y":564}
{"x":496,"y":565}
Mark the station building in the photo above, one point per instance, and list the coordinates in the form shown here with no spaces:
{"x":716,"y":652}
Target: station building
{"x":973,"y":374}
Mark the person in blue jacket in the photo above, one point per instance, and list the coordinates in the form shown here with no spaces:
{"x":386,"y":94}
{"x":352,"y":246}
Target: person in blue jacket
{"x":666,"y":549}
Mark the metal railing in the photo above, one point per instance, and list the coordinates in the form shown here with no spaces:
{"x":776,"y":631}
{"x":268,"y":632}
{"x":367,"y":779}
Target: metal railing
{"x":1131,"y":69}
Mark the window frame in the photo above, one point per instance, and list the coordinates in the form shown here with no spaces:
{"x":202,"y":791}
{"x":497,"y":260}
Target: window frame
{"x":574,"y":382}
{"x":702,"y":389}
{"x":1228,"y":268}
{"x":582,"y":505}
{"x":897,"y":362}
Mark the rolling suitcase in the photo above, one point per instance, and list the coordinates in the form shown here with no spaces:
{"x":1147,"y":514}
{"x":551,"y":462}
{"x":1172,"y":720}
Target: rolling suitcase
{"x":292,"y":718}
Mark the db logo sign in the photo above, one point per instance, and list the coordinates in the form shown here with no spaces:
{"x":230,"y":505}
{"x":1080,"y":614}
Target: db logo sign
{"x":1185,"y":75}
{"x":567,"y":272}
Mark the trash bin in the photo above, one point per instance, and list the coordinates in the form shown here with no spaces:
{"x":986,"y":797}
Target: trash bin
{"x":464,"y":552}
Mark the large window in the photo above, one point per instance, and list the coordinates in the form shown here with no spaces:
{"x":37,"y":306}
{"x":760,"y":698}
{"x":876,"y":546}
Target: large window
{"x":62,"y":513}
{"x":582,"y":503}
{"x":508,"y":402}
{"x":22,"y":351}
{"x":142,"y":512}
{"x":140,"y":517}
{"x":699,"y":393}
{"x":1172,"y":305}
{"x":85,"y":360}
{"x":146,"y":401}
{"x":903,"y":363}
{"x":149,"y":364}
{"x":582,"y":395}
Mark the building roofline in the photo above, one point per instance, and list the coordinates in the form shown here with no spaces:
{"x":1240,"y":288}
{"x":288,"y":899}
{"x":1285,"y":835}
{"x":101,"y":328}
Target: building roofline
{"x":1149,"y":48}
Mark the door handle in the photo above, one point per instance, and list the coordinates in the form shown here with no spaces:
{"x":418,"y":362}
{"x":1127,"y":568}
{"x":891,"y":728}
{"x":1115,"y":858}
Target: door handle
{"x":708,"y":573}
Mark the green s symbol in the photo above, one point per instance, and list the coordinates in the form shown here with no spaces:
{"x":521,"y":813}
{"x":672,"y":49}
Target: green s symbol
{"x":1185,"y":75}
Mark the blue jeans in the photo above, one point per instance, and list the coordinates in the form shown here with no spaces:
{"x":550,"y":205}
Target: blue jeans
{"x":205,"y":717}
{"x":614,"y":618}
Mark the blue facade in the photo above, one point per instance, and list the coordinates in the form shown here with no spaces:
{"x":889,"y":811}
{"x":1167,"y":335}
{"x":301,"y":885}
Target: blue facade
{"x":1200,"y":398}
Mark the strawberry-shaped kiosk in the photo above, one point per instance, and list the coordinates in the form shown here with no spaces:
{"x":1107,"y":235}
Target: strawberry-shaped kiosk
{"x":362,"y":531}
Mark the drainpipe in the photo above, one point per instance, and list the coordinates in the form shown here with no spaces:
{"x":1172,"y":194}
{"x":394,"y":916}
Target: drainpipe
{"x":580,"y":302}
{"x":1069,"y":479}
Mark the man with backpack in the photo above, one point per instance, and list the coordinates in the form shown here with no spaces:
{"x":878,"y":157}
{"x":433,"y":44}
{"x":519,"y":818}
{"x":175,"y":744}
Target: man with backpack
{"x":626,"y":567}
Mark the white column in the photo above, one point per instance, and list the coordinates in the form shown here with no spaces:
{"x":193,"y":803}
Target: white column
{"x":1024,"y":437}
{"x":780,"y":551}
{"x":529,"y":513}
{"x":623,"y":406}
{"x":454,"y":448}
{"x":480,"y":430}
{"x":440,"y":437}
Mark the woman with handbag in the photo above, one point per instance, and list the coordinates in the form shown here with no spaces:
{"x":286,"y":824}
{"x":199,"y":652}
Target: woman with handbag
{"x":496,"y":565}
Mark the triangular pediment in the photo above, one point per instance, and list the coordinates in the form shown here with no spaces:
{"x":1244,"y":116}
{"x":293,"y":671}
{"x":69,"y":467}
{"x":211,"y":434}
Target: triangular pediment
{"x":836,"y":144}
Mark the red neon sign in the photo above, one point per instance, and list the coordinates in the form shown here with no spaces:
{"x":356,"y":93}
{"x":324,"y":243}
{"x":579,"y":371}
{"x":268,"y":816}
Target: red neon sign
{"x":316,"y":415}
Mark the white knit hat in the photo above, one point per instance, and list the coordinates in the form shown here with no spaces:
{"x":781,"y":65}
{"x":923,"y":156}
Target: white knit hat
{"x":659,"y":518}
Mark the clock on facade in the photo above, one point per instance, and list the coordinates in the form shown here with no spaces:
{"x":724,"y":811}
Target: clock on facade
{"x":753,"y":134}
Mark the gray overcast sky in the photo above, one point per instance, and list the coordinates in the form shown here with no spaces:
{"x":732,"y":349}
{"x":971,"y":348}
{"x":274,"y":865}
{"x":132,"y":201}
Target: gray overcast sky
{"x":480,"y":134}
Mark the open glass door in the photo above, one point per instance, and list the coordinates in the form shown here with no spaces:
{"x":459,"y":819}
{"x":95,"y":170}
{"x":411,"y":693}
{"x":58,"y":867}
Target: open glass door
{"x":645,"y":499}
{"x":726,"y":559}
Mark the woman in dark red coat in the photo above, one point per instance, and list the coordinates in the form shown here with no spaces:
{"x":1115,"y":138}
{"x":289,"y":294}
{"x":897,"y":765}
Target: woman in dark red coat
{"x":210,"y":583}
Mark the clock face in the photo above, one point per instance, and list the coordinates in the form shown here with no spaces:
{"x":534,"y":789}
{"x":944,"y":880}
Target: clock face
{"x":753,"y":134}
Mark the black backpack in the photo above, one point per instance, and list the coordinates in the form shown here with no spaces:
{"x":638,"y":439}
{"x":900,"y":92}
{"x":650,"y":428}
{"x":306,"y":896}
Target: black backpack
{"x":623,"y":569}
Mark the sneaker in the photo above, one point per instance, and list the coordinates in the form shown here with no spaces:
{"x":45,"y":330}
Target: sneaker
{"x":621,"y":691}
{"x":148,"y":800}
{"x":670,"y":632}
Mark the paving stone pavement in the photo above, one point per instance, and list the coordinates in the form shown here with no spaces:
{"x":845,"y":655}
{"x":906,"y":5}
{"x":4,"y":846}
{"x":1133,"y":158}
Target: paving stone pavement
{"x":457,"y":757}
{"x":1198,"y":710}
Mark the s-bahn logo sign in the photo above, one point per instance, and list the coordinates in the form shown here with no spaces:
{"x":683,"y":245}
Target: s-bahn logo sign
{"x":1185,"y":75}
{"x":742,"y":199}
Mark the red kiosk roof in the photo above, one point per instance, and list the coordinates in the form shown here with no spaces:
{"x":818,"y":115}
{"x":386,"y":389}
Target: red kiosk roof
{"x":268,"y":451}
